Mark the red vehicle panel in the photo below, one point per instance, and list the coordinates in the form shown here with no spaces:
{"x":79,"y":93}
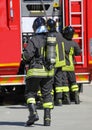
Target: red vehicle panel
{"x":16,"y":21}
{"x":77,"y":14}
{"x":10,"y":38}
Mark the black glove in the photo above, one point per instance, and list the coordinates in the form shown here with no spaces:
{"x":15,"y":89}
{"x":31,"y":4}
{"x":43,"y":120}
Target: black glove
{"x":49,"y":66}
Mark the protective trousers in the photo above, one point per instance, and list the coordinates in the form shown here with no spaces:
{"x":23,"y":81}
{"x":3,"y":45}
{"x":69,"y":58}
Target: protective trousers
{"x":65,"y":86}
{"x":58,"y":86}
{"x":32,"y":86}
{"x":74,"y":88}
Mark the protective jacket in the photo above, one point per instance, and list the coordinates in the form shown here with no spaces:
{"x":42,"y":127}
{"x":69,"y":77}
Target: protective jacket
{"x":71,"y":49}
{"x":34,"y":53}
{"x":37,"y":74}
{"x":60,"y":62}
{"x":60,"y":50}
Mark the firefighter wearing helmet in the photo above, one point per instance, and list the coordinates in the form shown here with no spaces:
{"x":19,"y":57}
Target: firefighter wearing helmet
{"x":71,"y":49}
{"x":51,"y":25}
{"x":68,"y":32}
{"x":39,"y":74}
{"x":57,"y":85}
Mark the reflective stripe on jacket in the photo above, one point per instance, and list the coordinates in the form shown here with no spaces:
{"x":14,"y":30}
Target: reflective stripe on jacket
{"x":69,"y":67}
{"x":60,"y":58}
{"x":43,"y":72}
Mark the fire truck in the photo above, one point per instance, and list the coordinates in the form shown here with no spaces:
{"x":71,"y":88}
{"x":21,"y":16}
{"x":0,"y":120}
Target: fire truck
{"x":16,"y":19}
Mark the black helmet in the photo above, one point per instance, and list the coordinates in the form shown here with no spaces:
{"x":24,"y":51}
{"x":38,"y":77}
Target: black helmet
{"x":51,"y":25}
{"x":68,"y":32}
{"x":39,"y":25}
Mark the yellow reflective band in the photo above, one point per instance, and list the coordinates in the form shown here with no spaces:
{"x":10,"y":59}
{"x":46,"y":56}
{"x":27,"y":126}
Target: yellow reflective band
{"x":24,"y":57}
{"x":71,"y":66}
{"x":40,"y":72}
{"x":60,"y":63}
{"x":74,"y":88}
{"x":59,"y":89}
{"x":39,"y":93}
{"x":31,"y":100}
{"x":68,"y":68}
{"x":47,"y":119}
{"x":65,"y":89}
{"x":48,"y":105}
{"x":52,"y":92}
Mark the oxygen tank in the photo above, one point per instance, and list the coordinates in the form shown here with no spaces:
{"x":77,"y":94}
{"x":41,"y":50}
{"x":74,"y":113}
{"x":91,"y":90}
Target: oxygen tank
{"x":51,"y":50}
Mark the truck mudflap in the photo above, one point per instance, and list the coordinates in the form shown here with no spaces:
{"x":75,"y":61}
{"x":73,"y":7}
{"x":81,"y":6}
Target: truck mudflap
{"x":83,"y":77}
{"x":8,"y":80}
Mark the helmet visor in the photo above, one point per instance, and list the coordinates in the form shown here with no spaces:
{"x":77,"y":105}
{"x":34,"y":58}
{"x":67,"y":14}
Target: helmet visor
{"x":41,"y":29}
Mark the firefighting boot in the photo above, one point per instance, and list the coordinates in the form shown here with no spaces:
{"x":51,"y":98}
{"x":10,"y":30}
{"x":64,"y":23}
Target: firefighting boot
{"x":58,"y":99}
{"x":33,"y":115}
{"x":47,"y":117}
{"x":76,"y":97}
{"x":58,"y":102}
{"x":66,"y":98}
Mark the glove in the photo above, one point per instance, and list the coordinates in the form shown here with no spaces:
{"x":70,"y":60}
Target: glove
{"x":49,"y":66}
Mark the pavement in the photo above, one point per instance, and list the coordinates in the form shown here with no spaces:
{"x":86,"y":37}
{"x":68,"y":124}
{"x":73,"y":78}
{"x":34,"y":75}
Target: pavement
{"x":66,"y":117}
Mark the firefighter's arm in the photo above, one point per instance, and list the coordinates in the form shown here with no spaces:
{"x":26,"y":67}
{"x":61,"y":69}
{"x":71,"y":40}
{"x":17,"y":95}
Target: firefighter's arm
{"x":29,"y":51}
{"x":77,"y":49}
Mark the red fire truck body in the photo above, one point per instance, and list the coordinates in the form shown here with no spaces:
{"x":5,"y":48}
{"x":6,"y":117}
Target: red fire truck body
{"x":77,"y":14}
{"x":16,"y":18}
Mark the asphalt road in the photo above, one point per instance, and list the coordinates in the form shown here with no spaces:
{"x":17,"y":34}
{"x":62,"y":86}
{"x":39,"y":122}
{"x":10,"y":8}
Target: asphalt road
{"x":67,"y":117}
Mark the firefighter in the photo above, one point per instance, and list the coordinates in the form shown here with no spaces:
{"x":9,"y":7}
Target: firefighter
{"x":51,"y":25}
{"x":40,"y":72}
{"x":71,"y":49}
